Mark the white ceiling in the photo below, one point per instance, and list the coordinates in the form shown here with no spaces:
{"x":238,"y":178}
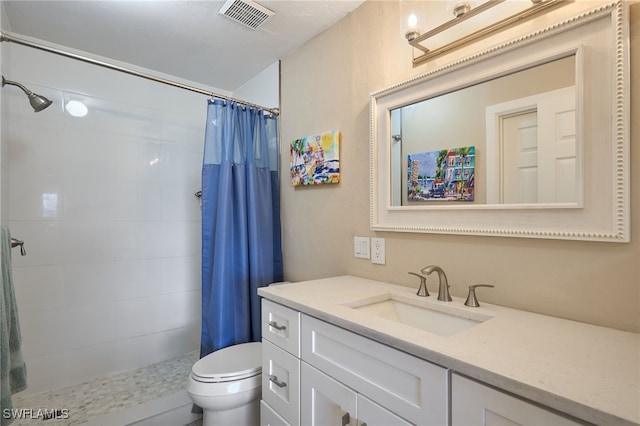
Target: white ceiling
{"x":186,"y":39}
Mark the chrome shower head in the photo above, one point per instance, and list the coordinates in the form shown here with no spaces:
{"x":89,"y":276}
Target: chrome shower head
{"x":38,"y":103}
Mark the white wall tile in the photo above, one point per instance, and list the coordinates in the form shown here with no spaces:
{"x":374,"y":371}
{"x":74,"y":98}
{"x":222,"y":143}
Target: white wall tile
{"x":34,"y":147}
{"x":138,"y":201}
{"x":180,"y":274}
{"x":126,"y":154}
{"x":177,"y":310}
{"x":86,"y":363}
{"x":41,"y":375}
{"x":36,"y":197}
{"x":134,"y":317}
{"x":154,"y":162}
{"x":151,"y":348}
{"x":88,"y":241}
{"x":189,"y":134}
{"x":39,"y":288}
{"x":43,"y":242}
{"x":98,"y":325}
{"x":90,"y":199}
{"x":42,"y":332}
{"x":90,"y":283}
{"x":138,"y":278}
{"x":88,"y":154}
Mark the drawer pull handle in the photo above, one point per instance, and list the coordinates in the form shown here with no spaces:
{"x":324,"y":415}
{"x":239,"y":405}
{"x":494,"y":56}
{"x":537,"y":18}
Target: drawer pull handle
{"x":346,"y":418}
{"x":274,"y":379}
{"x":276,"y":326}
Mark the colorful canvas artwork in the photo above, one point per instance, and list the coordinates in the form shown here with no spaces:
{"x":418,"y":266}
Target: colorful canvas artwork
{"x":315,"y":159}
{"x":447,"y":175}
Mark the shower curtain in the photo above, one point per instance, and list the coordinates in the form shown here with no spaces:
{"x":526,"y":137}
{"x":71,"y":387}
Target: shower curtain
{"x":241,"y":242}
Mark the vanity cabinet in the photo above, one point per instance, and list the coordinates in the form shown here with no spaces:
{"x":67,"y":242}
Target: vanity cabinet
{"x":473,"y":403}
{"x":507,"y":370}
{"x":316,"y":373}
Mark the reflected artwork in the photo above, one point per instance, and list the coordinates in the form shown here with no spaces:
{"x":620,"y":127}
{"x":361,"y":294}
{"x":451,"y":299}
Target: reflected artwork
{"x":445,"y":175}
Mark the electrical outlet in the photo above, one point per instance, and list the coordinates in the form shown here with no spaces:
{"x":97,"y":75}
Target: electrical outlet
{"x":361,"y":247}
{"x":377,"y":251}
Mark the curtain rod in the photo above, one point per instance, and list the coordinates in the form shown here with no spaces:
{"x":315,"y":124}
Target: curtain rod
{"x":13,"y":39}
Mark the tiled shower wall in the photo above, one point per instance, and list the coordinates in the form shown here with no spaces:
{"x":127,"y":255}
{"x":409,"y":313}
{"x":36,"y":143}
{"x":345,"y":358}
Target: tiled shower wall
{"x":105,"y":204}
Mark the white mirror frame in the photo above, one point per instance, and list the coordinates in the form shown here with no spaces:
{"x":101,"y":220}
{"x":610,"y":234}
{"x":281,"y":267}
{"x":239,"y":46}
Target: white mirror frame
{"x":602,"y":39}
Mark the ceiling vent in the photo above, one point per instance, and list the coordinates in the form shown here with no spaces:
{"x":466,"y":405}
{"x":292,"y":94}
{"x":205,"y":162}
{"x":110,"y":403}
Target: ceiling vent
{"x":246,"y":12}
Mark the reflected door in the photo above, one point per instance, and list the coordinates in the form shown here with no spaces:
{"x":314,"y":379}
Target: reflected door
{"x":536,"y":148}
{"x":520,"y":158}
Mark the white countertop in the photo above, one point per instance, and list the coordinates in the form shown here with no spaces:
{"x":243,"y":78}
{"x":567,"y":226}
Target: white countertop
{"x":587,"y":371}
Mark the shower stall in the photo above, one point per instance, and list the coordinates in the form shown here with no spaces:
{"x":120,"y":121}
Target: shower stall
{"x":99,"y":185}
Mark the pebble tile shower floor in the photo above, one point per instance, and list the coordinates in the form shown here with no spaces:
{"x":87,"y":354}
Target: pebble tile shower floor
{"x":109,"y":394}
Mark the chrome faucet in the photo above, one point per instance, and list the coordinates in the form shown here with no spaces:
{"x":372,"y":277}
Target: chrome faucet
{"x":443,"y":289}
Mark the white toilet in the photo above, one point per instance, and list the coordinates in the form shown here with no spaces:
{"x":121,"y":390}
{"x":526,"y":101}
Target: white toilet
{"x":226,"y":384}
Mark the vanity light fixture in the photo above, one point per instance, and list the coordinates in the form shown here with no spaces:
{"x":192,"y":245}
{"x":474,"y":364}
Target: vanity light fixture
{"x":464,"y":11}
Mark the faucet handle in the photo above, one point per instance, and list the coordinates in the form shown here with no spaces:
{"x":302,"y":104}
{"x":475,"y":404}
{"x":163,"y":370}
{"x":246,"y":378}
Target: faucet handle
{"x":422,"y":290}
{"x":472,"y":300}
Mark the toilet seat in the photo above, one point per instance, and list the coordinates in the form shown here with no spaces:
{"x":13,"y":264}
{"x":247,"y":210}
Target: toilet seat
{"x":232,"y":363}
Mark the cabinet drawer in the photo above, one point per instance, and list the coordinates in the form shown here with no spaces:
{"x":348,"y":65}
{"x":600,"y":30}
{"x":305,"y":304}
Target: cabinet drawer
{"x":281,"y":382}
{"x":412,"y":388}
{"x":473,"y":403}
{"x":268,"y":417}
{"x":281,"y":326}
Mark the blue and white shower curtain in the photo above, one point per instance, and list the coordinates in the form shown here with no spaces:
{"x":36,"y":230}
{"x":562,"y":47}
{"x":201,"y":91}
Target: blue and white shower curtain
{"x":241,"y":238}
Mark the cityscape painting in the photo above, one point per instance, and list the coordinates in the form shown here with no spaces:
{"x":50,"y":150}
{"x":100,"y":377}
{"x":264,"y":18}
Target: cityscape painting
{"x":446,"y":175}
{"x":315,"y":160}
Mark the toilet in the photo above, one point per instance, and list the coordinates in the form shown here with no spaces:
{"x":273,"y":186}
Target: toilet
{"x":226,"y":384}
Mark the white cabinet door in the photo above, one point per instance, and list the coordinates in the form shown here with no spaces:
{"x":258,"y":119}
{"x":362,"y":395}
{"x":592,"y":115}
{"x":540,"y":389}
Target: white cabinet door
{"x":268,"y":417}
{"x":372,"y":414}
{"x":473,"y":403}
{"x":324,"y":401}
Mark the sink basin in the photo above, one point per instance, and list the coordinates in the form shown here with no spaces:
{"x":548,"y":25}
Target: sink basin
{"x":434,"y":317}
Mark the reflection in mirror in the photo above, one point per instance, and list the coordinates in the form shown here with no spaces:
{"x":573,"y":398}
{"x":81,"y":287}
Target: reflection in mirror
{"x":521,"y":128}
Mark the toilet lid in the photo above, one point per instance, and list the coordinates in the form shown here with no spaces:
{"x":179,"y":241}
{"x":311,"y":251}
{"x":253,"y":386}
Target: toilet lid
{"x":231,"y":363}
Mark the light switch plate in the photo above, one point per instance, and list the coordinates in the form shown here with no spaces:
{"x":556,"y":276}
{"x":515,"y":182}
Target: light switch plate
{"x":377,"y":251}
{"x":361,"y":247}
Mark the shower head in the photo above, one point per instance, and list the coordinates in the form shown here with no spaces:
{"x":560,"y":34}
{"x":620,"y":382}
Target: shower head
{"x":38,"y":103}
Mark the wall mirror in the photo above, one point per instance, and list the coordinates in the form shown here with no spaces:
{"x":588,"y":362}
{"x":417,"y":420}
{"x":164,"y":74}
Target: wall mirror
{"x":525,"y":139}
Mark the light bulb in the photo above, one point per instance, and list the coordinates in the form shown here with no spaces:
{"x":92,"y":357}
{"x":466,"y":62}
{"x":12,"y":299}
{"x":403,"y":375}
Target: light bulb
{"x":412,"y":21}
